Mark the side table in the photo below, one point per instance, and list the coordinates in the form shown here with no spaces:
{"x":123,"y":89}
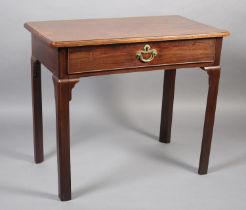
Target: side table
{"x":71,"y":49}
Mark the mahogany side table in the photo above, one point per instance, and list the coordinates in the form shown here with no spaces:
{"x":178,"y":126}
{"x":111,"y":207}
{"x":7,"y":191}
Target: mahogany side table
{"x":71,"y":49}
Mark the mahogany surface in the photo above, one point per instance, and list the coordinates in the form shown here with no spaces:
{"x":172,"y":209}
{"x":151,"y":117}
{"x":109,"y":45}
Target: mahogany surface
{"x":73,"y":33}
{"x":99,"y":58}
{"x":72,"y":49}
{"x":167,"y":105}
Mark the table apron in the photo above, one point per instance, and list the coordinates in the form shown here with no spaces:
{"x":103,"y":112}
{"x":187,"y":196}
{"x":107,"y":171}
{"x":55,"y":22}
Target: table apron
{"x":88,"y":59}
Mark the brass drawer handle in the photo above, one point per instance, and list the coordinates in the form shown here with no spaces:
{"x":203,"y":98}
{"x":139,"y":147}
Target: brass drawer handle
{"x":147,"y":50}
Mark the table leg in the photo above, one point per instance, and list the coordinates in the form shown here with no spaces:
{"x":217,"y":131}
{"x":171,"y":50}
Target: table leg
{"x":214,"y":76}
{"x":37,"y":111}
{"x":63,"y":90}
{"x":167,"y":105}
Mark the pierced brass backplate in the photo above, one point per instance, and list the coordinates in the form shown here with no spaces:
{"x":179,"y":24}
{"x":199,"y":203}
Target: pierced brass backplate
{"x":146,"y":50}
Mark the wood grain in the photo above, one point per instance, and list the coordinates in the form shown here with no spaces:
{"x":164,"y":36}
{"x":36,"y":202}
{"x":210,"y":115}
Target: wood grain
{"x":123,"y":56}
{"x":71,"y":49}
{"x":73,"y":33}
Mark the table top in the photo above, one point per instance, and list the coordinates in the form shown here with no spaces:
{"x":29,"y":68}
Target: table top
{"x":72,"y":33}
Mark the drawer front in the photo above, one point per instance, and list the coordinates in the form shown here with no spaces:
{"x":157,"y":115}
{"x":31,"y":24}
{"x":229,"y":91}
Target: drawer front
{"x":138,"y":55}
